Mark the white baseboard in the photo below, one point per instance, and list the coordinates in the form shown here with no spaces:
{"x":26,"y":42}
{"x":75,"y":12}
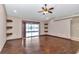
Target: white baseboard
{"x":2,"y":46}
{"x":14,"y":38}
{"x":60,"y":36}
{"x":75,"y":38}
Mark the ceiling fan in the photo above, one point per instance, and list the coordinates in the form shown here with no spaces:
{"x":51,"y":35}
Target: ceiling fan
{"x":46,"y":10}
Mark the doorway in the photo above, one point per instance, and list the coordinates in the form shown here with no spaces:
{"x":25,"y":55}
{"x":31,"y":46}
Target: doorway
{"x":31,"y":32}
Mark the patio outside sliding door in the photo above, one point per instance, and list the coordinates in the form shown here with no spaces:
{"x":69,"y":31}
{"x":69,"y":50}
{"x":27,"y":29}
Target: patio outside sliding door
{"x":32,"y":29}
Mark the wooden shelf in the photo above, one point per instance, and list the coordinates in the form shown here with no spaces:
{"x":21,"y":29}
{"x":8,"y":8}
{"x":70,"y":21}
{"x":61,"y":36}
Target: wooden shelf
{"x":8,"y":34}
{"x":9,"y":20}
{"x":46,"y":24}
{"x":45,"y":31}
{"x":45,"y":27}
{"x":9,"y":27}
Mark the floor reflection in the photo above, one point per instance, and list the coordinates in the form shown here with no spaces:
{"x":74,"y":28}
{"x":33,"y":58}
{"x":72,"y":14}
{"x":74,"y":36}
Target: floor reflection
{"x":41,"y":45}
{"x":32,"y":44}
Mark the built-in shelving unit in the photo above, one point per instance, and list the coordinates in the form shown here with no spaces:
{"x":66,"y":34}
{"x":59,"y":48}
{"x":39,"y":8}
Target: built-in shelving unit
{"x":9,"y":28}
{"x":8,"y":34}
{"x":46,"y":27}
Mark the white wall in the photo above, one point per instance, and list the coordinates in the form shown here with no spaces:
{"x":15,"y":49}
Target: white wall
{"x":60,"y":28}
{"x":2,"y":27}
{"x":17,"y":27}
{"x":75,"y":28}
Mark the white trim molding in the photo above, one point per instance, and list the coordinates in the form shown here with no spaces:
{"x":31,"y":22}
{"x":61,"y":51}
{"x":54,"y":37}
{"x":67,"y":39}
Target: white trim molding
{"x":63,"y":18}
{"x":75,"y":38}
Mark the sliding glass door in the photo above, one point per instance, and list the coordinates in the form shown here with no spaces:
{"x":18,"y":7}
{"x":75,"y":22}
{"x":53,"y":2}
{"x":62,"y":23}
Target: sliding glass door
{"x":32,"y":29}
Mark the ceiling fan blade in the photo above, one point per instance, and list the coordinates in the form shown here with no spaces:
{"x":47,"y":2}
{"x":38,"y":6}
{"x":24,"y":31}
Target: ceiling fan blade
{"x":45,"y":4}
{"x":43,"y":13}
{"x":51,"y":8}
{"x":43,"y":8}
{"x":50,"y":11}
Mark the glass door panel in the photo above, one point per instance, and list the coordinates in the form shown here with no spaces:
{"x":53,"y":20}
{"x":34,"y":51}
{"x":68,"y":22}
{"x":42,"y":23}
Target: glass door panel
{"x":35,"y":33}
{"x":32,"y":29}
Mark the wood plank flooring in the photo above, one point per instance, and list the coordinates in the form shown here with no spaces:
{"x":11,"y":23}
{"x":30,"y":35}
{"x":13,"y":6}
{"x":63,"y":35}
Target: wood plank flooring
{"x":41,"y":45}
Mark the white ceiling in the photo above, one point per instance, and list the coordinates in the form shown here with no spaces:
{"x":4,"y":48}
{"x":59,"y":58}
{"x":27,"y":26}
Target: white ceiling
{"x":30,"y":11}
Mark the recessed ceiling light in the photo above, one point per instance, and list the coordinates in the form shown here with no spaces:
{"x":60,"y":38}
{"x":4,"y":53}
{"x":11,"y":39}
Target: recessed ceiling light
{"x":14,"y":11}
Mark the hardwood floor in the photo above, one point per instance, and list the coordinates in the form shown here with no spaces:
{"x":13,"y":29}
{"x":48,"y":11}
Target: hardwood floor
{"x":41,"y":45}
